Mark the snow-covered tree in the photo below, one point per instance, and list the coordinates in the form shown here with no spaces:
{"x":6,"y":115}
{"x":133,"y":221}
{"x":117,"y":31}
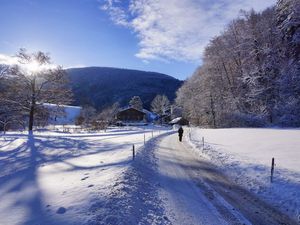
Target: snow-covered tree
{"x":288,"y":22}
{"x":87,"y":115}
{"x":250,"y":75}
{"x":33,"y":81}
{"x":136,"y":103}
{"x":160,"y":105}
{"x":108,"y":115}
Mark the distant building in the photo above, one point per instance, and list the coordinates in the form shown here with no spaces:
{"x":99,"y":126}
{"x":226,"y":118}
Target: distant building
{"x":180,"y":121}
{"x":131,"y":115}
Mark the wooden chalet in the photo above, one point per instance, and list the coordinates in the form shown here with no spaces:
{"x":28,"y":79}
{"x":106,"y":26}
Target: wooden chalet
{"x":131,"y":115}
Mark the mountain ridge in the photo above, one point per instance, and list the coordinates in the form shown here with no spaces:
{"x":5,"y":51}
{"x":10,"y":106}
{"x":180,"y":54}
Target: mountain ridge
{"x":103,"y":86}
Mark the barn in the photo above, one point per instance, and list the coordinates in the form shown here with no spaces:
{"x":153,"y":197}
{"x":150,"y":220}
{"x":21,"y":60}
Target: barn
{"x":131,"y":115}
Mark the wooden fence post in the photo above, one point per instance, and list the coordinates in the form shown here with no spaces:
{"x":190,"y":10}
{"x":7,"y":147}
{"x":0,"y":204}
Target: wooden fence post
{"x":144,"y":138}
{"x":203,"y":142}
{"x":272,"y":169}
{"x":133,"y":152}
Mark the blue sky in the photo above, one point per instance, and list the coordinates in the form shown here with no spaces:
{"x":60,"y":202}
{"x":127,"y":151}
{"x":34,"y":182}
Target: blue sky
{"x":165,"y":36}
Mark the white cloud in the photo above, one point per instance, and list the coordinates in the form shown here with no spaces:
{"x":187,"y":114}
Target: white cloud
{"x":8,"y":60}
{"x":177,"y":29}
{"x":30,"y":67}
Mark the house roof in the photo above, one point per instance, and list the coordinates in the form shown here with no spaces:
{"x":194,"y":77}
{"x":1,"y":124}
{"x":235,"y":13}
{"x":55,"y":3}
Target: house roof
{"x":176,"y":120}
{"x":129,"y":107}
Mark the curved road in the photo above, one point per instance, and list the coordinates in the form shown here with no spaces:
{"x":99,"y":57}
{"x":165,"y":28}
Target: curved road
{"x":194,"y":192}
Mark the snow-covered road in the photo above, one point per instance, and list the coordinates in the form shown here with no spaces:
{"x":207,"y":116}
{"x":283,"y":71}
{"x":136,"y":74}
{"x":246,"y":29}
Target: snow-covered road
{"x":184,"y":202}
{"x":194,"y":192}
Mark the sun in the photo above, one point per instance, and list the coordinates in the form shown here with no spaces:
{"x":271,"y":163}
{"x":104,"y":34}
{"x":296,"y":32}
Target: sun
{"x":33,"y":67}
{"x":36,"y":67}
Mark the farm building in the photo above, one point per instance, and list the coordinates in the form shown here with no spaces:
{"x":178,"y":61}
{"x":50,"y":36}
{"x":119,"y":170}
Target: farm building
{"x":131,"y":115}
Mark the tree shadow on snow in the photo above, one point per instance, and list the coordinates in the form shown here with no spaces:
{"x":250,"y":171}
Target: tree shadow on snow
{"x":19,"y":178}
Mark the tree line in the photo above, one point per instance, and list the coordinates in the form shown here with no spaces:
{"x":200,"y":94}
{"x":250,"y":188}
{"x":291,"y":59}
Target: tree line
{"x":30,"y":82}
{"x":250,"y":74}
{"x":100,"y":120}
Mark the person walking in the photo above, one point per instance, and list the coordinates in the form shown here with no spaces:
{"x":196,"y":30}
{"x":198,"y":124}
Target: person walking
{"x":180,"y":133}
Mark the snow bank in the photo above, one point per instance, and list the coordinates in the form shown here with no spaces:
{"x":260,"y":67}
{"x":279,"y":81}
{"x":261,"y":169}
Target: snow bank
{"x":246,"y":154}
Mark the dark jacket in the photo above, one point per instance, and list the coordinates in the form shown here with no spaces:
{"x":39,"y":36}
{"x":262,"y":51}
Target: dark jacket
{"x":180,"y":131}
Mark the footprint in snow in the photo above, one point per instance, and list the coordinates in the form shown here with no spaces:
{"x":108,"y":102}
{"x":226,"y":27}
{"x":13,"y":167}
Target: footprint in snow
{"x":166,"y":218}
{"x":91,"y":185}
{"x":48,"y":208}
{"x":61,"y":210}
{"x":84,"y":178}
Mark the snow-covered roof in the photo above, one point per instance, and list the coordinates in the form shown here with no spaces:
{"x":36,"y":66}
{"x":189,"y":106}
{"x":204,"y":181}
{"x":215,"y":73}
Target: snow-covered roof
{"x":129,"y":107}
{"x":64,"y":106}
{"x":147,"y":111}
{"x":176,"y":120}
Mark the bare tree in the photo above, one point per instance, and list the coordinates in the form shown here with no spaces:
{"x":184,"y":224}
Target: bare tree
{"x":160,"y":105}
{"x":33,"y":81}
{"x":3,"y":70}
{"x":250,"y":72}
{"x":107,"y":116}
{"x":87,"y":115}
{"x":288,"y":23}
{"x":109,"y":113}
{"x":10,"y":113}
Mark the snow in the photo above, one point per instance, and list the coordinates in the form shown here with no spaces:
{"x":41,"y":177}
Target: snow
{"x":176,"y":120}
{"x":135,"y":123}
{"x":151,"y":115}
{"x":71,"y":113}
{"x":245,"y":154}
{"x":64,"y":178}
{"x":80,"y":177}
{"x":184,"y":201}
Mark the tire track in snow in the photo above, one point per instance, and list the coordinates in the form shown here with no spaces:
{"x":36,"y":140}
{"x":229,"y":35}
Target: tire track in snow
{"x":236,"y":205}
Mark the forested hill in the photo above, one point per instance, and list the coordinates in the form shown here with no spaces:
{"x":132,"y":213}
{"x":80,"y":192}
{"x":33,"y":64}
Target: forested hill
{"x":250,"y":73}
{"x":102,"y":86}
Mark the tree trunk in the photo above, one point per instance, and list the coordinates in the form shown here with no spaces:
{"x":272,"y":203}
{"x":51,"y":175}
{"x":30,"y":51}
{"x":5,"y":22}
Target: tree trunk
{"x":32,"y":107}
{"x":31,"y":117}
{"x":271,"y":116}
{"x":212,"y":108}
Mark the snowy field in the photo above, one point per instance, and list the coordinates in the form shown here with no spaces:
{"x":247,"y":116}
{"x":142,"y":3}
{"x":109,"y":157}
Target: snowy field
{"x":80,"y":177}
{"x":246,"y":154}
{"x":63,"y":178}
{"x":69,"y":115}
